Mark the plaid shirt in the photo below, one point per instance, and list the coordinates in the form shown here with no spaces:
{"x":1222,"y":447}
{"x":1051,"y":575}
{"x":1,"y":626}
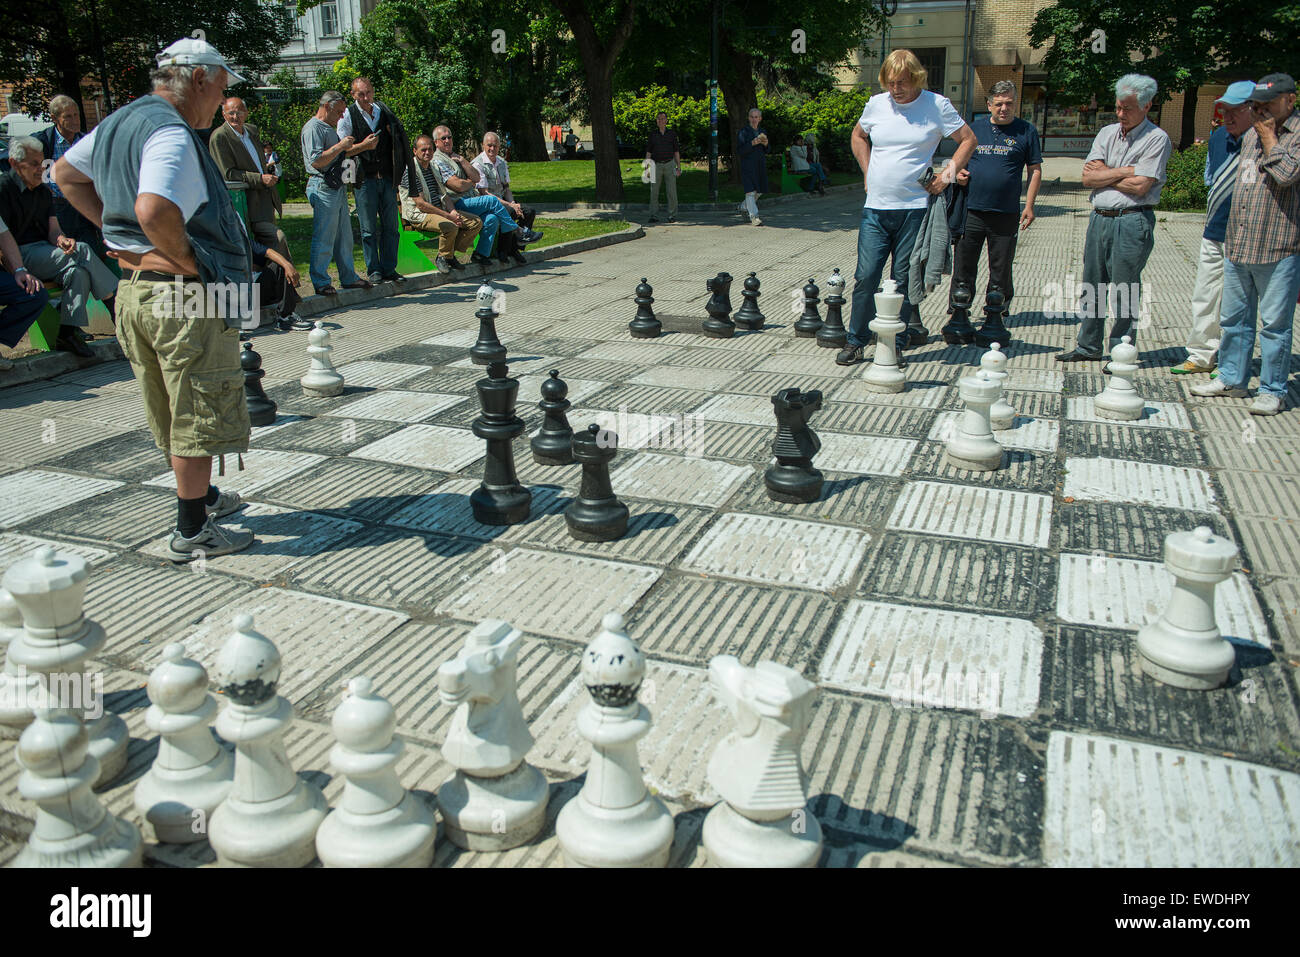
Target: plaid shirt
{"x":1264,"y":225}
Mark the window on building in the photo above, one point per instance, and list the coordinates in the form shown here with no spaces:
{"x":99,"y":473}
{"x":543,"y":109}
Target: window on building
{"x":933,"y":59}
{"x":291,"y":8}
{"x":329,"y":19}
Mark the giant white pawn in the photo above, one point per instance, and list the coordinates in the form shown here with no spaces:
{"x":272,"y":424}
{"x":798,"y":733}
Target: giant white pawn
{"x":1183,"y":647}
{"x":884,"y":375}
{"x":322,"y":379}
{"x":972,"y":445}
{"x":72,"y":828}
{"x":614,"y":821}
{"x":269,"y":818}
{"x":762,"y":820}
{"x":378,"y":823}
{"x":191,"y":774}
{"x":1001,"y":415}
{"x":496,"y":799}
{"x":1120,"y":400}
{"x":57,"y":638}
{"x":18,"y":689}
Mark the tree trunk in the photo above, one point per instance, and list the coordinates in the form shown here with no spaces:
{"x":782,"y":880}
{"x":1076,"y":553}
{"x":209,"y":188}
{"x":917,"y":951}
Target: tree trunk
{"x":598,"y":56}
{"x":736,"y":79}
{"x":1188,"y":133}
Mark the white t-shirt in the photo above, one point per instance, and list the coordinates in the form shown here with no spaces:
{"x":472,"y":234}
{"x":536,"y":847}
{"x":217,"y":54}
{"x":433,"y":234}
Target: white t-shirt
{"x":169,"y":167}
{"x":903,"y":140}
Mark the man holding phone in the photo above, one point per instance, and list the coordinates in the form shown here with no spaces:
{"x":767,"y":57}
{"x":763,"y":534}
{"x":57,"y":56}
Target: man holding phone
{"x":1262,"y":251}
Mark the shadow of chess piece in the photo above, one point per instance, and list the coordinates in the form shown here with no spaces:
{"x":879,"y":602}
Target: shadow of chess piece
{"x":793,"y":479}
{"x":748,"y":316}
{"x":832,"y":334}
{"x":488,"y":348}
{"x":992,"y":330}
{"x":596,"y":515}
{"x":261,"y":408}
{"x":499,"y":499}
{"x":719,"y":325}
{"x":806,"y":326}
{"x":645,"y":325}
{"x":553,"y":445}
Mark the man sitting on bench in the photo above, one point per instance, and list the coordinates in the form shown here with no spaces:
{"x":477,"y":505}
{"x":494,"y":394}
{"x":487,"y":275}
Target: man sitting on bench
{"x":420,"y":210}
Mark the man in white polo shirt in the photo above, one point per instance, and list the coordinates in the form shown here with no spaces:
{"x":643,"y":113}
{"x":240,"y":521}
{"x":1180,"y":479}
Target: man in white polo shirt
{"x":894,"y":143}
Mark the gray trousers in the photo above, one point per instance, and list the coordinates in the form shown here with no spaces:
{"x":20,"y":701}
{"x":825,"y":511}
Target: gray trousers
{"x":1115,"y":252}
{"x":81,"y":275}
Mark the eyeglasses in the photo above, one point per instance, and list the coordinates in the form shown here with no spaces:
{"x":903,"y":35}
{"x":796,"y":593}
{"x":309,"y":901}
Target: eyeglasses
{"x":441,"y":138}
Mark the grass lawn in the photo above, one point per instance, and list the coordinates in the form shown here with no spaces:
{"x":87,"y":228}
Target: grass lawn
{"x":574,"y":181}
{"x":298,"y":231}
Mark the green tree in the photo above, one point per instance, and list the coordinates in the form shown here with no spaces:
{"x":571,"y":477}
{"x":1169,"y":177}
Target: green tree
{"x":48,"y":47}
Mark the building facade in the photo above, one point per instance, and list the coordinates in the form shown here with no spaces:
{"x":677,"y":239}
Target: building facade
{"x":967,"y":47}
{"x":318,"y":34}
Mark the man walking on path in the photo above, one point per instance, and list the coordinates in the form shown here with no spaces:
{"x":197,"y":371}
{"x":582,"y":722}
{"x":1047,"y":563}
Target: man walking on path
{"x":664,"y":152}
{"x":1220,"y":175}
{"x":1125,"y":170}
{"x":1262,"y":250}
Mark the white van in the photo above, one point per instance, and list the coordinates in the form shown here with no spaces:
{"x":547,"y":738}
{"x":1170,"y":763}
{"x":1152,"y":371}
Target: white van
{"x":17,"y":124}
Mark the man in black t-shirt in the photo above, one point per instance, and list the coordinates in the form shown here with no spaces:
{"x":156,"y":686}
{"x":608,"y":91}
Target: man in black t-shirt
{"x":1005,"y":146}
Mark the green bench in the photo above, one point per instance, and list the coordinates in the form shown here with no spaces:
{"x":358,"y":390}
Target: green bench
{"x":790,"y":182}
{"x":410,"y":257}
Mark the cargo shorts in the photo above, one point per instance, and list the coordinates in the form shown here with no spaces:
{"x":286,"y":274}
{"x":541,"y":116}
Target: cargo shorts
{"x":188,"y":369}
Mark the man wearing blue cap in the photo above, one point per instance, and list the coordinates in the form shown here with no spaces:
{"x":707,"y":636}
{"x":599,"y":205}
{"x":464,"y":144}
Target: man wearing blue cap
{"x":1262,"y":250}
{"x":1220,"y":174}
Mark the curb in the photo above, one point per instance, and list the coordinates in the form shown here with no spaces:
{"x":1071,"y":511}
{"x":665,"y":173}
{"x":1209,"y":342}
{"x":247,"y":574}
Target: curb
{"x":50,"y":364}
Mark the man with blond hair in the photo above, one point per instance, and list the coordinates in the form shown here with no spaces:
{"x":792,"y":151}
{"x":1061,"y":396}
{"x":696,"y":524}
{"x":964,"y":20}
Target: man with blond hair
{"x":894,"y":143}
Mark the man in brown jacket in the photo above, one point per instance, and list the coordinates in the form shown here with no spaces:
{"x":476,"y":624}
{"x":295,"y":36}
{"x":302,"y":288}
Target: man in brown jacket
{"x":237,"y":151}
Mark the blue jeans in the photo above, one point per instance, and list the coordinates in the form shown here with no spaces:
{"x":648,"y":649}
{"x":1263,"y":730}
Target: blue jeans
{"x":377,"y":198}
{"x":1272,"y":288}
{"x":331,"y":233}
{"x":881,"y":232}
{"x":18,"y":308}
{"x":496,"y":218}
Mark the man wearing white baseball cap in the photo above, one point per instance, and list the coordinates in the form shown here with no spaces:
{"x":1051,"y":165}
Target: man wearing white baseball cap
{"x":144,"y":176}
{"x":1220,"y":174}
{"x":1262,"y":249}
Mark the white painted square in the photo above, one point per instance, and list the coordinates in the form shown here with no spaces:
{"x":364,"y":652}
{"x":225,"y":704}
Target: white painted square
{"x":745,"y":409}
{"x":914,"y":397}
{"x":972,"y":511}
{"x":371,"y":373}
{"x":437,"y":447}
{"x":647,"y":352}
{"x":821,"y":362}
{"x":780,"y":551}
{"x":262,"y":469}
{"x":280,"y":422}
{"x":1034,"y":380}
{"x":397,"y":406}
{"x":1125,"y":593}
{"x":1026,"y":433}
{"x":284,"y":537}
{"x":682,"y":377}
{"x":15,"y":548}
{"x":1160,"y":415}
{"x":672,"y":478}
{"x":315,"y":636}
{"x":863,"y":454}
{"x":1115,"y":803}
{"x":33,"y":492}
{"x":516,"y":366}
{"x":530,"y":388}
{"x":545,"y":593}
{"x":929,"y":657}
{"x":447,"y":510}
{"x":1112,"y":480}
{"x":637,"y":430}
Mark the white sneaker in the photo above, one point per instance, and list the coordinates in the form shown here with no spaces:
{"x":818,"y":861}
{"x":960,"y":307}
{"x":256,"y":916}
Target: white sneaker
{"x":212,"y":540}
{"x":756,"y":221}
{"x":1266,"y":404}
{"x":1217,"y":387}
{"x":226,"y":503}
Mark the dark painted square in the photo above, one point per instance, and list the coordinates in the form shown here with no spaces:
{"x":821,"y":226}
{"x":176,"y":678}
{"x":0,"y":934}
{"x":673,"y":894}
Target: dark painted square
{"x":131,"y":457}
{"x":1123,"y":529}
{"x":1024,"y":471}
{"x":1140,"y":443}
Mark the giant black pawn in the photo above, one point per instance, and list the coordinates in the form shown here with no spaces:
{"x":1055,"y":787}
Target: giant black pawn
{"x":553,"y":445}
{"x":832,"y":334}
{"x":499,"y":499}
{"x":992,"y":329}
{"x":719,"y":324}
{"x":488,"y":348}
{"x":958,"y":331}
{"x":596,"y":515}
{"x":261,"y":407}
{"x":748,"y":316}
{"x":806,"y":326}
{"x":793,"y":479}
{"x":645,"y":325}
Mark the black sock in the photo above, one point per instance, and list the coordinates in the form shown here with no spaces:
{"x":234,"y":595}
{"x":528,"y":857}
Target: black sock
{"x":212,"y":495}
{"x":190,"y":515}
